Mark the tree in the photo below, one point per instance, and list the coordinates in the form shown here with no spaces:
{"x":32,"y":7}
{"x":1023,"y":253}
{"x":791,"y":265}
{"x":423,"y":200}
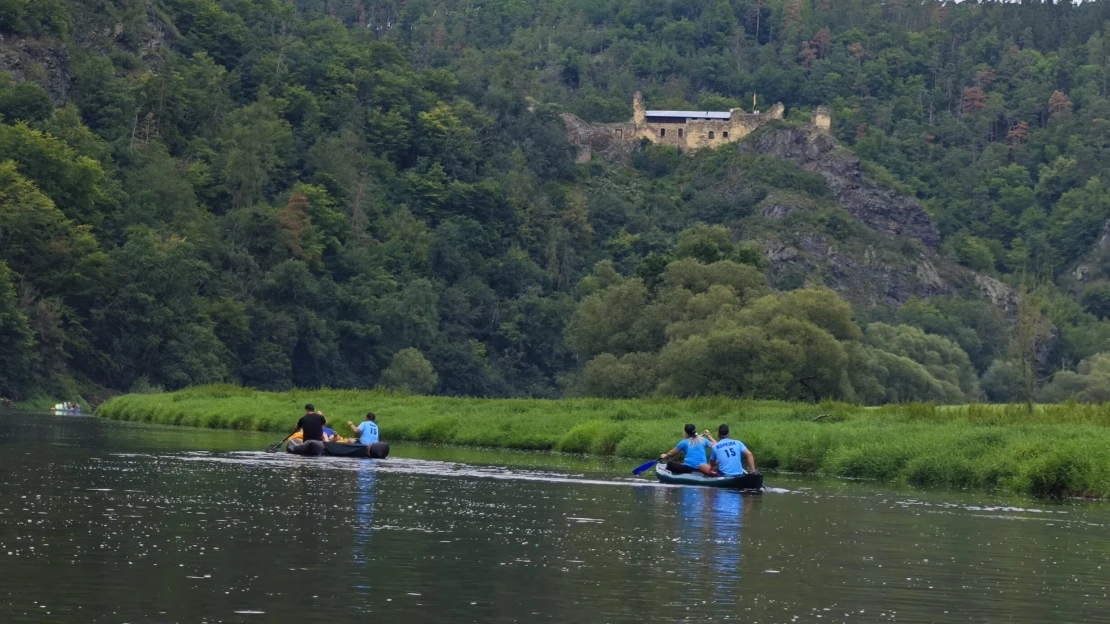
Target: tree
{"x":632,"y":375}
{"x":1089,"y":383}
{"x":1059,"y":104}
{"x":259,"y":143}
{"x":411,"y":372}
{"x":73,"y":182}
{"x":705,"y":243}
{"x":974,"y":100}
{"x":952,"y":378}
{"x":16,"y":342}
{"x":612,"y":321}
{"x":1001,"y":383}
{"x":1030,"y":335}
{"x":787,"y":346}
{"x":23,"y":101}
{"x":42,"y":246}
{"x":1096,"y":299}
{"x":883,"y":377}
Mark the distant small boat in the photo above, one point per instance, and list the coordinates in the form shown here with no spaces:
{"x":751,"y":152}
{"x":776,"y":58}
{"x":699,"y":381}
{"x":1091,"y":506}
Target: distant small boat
{"x":66,"y":408}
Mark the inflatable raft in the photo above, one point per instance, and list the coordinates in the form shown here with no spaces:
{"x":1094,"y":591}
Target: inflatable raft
{"x":313,"y":448}
{"x":749,"y":481}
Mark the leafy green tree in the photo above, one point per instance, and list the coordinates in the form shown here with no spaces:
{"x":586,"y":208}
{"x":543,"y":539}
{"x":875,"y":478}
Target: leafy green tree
{"x":41,"y":246}
{"x":259,"y":145}
{"x":977,"y":326}
{"x":16,"y":341}
{"x":411,"y":372}
{"x":12,"y":13}
{"x":941,"y":359}
{"x":884,"y":377}
{"x":71,"y":181}
{"x":612,"y":321}
{"x":1001,"y":383}
{"x":1089,"y":383}
{"x":1096,"y":299}
{"x":704,"y":243}
{"x":164,"y":335}
{"x":781,"y":346}
{"x":632,"y":375}
{"x":102,"y":97}
{"x":23,"y":101}
{"x":746,"y":281}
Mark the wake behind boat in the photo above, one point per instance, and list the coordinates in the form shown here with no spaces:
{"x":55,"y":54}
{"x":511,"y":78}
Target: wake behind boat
{"x":751,"y":481}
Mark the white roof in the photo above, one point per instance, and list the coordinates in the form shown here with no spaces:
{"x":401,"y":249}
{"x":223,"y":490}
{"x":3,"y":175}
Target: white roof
{"x":689,"y":114}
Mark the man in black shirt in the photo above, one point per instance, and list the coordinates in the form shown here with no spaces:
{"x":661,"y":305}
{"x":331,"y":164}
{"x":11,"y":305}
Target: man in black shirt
{"x":311,"y":424}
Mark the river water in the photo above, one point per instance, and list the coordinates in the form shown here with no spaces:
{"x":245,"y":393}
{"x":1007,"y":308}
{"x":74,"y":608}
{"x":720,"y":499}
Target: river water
{"x":109,"y":522}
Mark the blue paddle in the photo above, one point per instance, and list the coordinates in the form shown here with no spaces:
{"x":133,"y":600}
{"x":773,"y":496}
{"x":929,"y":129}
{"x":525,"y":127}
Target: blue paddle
{"x":636,"y":471}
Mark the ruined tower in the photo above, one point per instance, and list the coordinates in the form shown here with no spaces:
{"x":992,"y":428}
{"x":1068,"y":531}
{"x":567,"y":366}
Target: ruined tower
{"x":822,"y":118}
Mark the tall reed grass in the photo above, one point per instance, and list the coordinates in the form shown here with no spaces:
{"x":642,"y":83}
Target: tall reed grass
{"x":1056,"y":451}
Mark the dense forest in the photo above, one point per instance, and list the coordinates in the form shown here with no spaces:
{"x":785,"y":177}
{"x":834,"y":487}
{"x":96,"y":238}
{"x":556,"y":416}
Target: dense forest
{"x":351,"y":193}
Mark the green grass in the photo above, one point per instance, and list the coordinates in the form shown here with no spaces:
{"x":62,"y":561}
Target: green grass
{"x":1056,"y":451}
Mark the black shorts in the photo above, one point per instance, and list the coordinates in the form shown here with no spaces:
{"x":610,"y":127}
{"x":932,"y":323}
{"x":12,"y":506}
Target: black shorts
{"x":677,"y":468}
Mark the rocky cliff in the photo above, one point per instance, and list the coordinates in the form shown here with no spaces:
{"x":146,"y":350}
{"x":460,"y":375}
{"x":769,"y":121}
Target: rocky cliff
{"x":44,"y":61}
{"x":874,"y":245}
{"x":881,"y":209}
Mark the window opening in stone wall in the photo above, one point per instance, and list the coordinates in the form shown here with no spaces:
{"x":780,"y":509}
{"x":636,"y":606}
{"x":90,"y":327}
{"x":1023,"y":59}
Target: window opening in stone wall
{"x":724,"y":135}
{"x":662,"y":132}
{"x":680,"y":133}
{"x":620,"y":133}
{"x":711,"y":134}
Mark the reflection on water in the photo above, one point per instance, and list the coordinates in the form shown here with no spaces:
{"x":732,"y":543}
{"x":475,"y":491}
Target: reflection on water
{"x":364,"y":514}
{"x":101,"y":522}
{"x":727,"y":511}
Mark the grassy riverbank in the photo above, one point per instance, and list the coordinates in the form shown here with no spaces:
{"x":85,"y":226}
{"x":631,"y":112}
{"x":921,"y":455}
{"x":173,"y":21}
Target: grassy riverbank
{"x":1059,"y":450}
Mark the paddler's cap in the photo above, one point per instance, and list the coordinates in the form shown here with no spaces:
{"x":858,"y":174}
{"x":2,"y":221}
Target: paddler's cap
{"x":691,"y":430}
{"x":310,"y":408}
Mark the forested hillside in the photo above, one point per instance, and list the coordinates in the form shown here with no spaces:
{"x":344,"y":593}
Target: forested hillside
{"x":351,"y":193}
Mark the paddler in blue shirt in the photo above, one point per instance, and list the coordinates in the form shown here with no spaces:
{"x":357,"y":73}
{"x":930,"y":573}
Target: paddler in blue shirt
{"x":694,"y":448}
{"x":367,"y":430}
{"x":728,"y":455}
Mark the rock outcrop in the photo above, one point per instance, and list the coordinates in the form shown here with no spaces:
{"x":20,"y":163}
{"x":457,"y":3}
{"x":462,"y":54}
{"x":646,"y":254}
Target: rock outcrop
{"x":39,"y":60}
{"x":1093,"y":266}
{"x":881,"y":209}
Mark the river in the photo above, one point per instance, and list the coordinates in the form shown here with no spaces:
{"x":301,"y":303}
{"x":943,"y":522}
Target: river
{"x":111,"y":522}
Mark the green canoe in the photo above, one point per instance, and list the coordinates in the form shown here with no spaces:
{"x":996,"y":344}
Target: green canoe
{"x":749,"y":481}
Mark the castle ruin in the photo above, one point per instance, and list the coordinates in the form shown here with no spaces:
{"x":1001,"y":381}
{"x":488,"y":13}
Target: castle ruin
{"x":685,"y":130}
